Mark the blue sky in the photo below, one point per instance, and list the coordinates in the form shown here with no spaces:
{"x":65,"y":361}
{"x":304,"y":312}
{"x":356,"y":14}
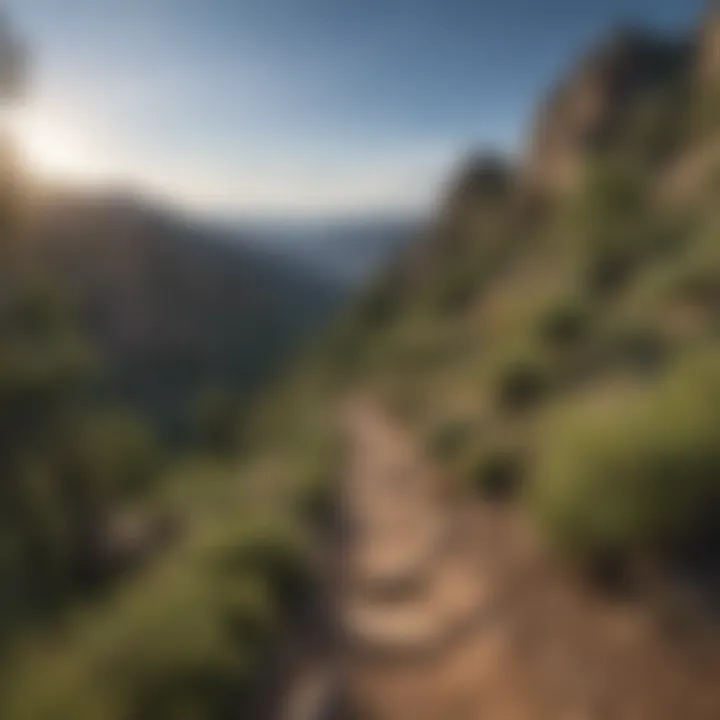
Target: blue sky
{"x":296,"y":107}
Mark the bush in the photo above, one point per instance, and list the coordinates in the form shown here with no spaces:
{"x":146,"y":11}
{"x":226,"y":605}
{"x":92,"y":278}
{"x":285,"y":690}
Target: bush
{"x":497,"y":473}
{"x":608,"y":269}
{"x":276,"y":556}
{"x":521,"y":380}
{"x":182,"y":643}
{"x":642,"y":475}
{"x":182,"y":659}
{"x":563,"y":323}
{"x":617,"y":228}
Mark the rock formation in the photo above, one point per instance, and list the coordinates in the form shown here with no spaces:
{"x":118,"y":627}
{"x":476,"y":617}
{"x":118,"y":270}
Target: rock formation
{"x":585,"y":110}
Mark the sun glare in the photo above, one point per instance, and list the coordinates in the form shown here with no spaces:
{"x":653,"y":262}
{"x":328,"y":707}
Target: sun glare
{"x":55,"y":147}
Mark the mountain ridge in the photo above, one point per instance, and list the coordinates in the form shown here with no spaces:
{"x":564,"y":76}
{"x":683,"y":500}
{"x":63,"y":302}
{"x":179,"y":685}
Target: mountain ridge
{"x":170,"y":303}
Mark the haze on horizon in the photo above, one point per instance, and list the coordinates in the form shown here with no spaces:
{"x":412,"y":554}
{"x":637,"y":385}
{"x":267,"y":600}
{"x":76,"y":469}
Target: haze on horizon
{"x":272,"y":108}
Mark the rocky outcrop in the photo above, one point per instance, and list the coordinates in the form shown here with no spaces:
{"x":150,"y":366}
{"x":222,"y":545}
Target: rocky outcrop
{"x":585,"y":111}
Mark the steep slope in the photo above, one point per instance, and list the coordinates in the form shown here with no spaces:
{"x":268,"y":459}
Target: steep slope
{"x":174,"y":307}
{"x":553,"y":344}
{"x":552,"y":303}
{"x":544,"y":365}
{"x":450,"y":609}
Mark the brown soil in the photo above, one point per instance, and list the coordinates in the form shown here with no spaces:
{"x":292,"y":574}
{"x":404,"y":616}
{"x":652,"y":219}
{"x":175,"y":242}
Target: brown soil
{"x":449,"y":610}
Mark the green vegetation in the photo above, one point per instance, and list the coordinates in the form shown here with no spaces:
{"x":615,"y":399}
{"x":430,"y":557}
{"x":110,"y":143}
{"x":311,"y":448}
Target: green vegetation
{"x":560,"y":353}
{"x":521,"y":379}
{"x":498,"y":473}
{"x":563,"y":323}
{"x":139,"y":579}
{"x":557,"y":353}
{"x":189,"y":638}
{"x":640,"y":474}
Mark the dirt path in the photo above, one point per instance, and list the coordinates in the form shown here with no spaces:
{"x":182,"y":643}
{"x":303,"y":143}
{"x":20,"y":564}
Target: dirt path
{"x":422,"y":582}
{"x":448,"y":610}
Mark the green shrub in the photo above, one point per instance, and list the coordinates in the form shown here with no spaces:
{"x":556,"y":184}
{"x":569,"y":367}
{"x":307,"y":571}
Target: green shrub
{"x":182,"y":658}
{"x":187,"y":641}
{"x":498,"y":472}
{"x":639,"y":475}
{"x":608,"y":269}
{"x":563,"y":323}
{"x":275,"y":555}
{"x":616,"y":228}
{"x":521,"y":380}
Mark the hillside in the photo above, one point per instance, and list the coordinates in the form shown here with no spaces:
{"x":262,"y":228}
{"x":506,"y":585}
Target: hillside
{"x":581,"y":282}
{"x":551,"y":344}
{"x":173,"y":307}
{"x":490,"y":489}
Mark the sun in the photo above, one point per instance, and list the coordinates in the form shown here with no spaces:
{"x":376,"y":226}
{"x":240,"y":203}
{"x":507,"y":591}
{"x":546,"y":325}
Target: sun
{"x":54,"y":146}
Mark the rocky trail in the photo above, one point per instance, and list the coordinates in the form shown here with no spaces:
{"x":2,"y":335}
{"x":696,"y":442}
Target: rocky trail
{"x":448,"y":610}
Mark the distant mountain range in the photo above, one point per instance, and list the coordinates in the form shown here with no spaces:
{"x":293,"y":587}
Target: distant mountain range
{"x":348,"y":251}
{"x":176,"y":305}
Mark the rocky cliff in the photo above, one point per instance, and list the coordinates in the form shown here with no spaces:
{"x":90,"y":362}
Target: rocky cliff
{"x":586,"y":110}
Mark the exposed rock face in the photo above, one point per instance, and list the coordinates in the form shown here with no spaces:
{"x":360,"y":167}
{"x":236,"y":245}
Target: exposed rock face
{"x":585,"y":110}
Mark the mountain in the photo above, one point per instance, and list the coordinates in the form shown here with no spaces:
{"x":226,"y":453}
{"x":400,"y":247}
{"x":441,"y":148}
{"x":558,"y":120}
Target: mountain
{"x":531,"y":397}
{"x":172,"y":306}
{"x":348,"y":251}
{"x":552,"y":344}
{"x":554,"y":334}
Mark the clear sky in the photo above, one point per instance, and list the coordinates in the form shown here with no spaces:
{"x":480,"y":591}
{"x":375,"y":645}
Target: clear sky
{"x":297,"y":106}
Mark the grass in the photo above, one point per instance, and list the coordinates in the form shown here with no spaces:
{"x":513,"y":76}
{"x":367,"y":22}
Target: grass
{"x":638,"y":476}
{"x":183,"y":642}
{"x":515,"y":337}
{"x":188,"y":635}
